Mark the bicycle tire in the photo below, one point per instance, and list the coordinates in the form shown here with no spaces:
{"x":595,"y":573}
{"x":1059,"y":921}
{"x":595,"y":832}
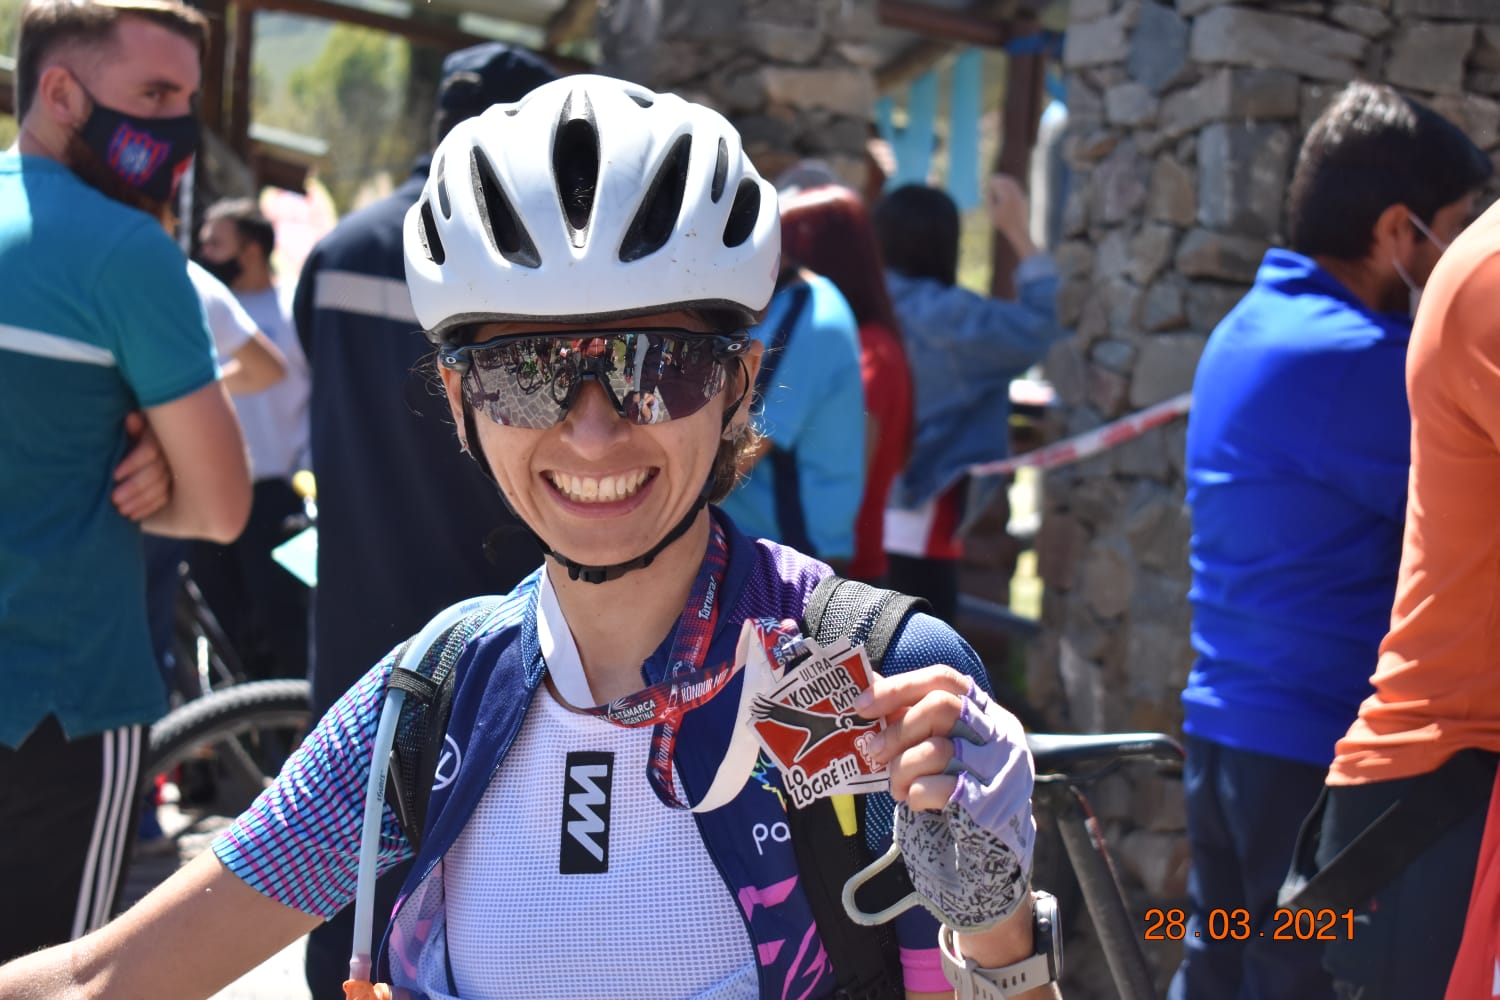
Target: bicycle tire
{"x":224,"y":715}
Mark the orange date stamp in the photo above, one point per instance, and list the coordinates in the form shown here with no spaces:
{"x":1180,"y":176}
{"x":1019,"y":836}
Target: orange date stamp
{"x":1235,"y":925}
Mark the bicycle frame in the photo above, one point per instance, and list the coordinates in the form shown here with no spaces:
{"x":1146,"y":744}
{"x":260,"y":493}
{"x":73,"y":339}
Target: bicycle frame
{"x":1102,"y":895}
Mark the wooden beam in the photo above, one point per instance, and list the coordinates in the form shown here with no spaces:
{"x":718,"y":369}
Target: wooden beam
{"x":211,"y":100}
{"x":421,"y":32}
{"x":919,"y":57}
{"x":241,"y":71}
{"x":1020,"y":121}
{"x":960,"y":27}
{"x":278,"y":171}
{"x":574,"y":21}
{"x":910,"y":63}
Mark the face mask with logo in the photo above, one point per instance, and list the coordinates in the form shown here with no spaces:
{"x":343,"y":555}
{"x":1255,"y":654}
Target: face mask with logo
{"x":148,"y":154}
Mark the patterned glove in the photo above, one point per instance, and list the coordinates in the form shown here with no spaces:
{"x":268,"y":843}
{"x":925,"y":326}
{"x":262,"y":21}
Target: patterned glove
{"x":971,"y":862}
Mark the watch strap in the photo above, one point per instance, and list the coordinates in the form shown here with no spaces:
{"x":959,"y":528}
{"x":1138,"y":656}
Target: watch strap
{"x":971,"y":981}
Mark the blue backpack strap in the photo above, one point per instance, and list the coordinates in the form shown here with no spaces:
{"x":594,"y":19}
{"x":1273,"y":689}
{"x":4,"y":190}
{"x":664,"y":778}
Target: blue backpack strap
{"x":791,"y":520}
{"x":776,"y":346}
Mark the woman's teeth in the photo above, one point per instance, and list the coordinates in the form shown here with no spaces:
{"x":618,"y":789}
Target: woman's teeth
{"x":607,"y":489}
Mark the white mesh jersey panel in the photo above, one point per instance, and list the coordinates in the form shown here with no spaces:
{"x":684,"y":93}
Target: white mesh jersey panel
{"x":660,"y":923}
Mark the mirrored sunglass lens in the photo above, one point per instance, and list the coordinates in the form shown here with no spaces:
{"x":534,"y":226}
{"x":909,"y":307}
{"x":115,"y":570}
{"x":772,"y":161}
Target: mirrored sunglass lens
{"x":676,"y":376}
{"x":520,"y":383}
{"x":652,"y":377}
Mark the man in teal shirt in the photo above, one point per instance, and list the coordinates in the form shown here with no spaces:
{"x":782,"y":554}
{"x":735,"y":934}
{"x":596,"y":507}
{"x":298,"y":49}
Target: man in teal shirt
{"x":114,"y":422}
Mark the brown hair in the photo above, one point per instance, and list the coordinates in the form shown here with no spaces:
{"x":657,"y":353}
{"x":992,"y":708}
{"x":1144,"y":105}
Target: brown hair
{"x":49,"y":25}
{"x":826,"y":230}
{"x":725,"y":474}
{"x":248,"y":221}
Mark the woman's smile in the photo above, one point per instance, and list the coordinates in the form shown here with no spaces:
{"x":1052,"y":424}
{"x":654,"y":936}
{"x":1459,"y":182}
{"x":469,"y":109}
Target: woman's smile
{"x":599,"y":489}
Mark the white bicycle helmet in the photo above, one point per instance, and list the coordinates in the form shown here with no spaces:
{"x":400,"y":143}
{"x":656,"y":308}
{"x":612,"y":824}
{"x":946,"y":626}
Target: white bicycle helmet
{"x":591,"y":198}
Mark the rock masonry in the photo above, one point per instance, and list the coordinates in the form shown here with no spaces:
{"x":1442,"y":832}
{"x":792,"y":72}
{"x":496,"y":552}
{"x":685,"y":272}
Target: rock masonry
{"x":1185,"y":119}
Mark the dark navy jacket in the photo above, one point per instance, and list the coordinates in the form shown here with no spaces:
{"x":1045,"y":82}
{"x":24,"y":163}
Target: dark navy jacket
{"x":403,"y":514}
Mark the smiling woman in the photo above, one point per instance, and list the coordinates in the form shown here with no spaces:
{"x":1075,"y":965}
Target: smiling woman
{"x":587,"y":261}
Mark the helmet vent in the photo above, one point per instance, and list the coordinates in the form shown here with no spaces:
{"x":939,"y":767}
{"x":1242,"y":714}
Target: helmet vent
{"x":501,"y":224}
{"x":442,"y":192}
{"x":662,"y":205}
{"x":743,"y":213}
{"x":427,"y":231}
{"x":721,"y":171}
{"x":575,"y":168}
{"x":644,"y":100}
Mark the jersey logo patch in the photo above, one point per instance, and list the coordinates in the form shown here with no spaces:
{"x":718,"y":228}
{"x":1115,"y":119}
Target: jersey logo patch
{"x":448,"y":764}
{"x":585,"y":815}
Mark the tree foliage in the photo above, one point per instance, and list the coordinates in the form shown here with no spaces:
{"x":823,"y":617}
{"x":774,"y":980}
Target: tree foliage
{"x":10,"y":17}
{"x":352,"y":98}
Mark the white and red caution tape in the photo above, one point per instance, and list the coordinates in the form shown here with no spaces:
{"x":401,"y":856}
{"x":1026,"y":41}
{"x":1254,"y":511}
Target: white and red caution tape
{"x":1090,"y":443}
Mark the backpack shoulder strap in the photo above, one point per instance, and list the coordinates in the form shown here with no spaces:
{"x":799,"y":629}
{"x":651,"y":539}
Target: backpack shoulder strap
{"x":776,"y":346}
{"x":866,"y":960}
{"x":423,"y":723}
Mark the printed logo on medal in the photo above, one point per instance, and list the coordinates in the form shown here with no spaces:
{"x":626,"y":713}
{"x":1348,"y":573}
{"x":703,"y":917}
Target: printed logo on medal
{"x":585,"y":816}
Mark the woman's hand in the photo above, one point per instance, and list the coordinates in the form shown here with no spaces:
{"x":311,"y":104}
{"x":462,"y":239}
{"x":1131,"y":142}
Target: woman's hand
{"x":962,"y":776}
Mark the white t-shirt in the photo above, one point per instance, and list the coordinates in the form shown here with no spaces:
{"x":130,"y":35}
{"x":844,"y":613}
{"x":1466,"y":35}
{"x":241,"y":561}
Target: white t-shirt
{"x":230,"y":325}
{"x":275,"y":419}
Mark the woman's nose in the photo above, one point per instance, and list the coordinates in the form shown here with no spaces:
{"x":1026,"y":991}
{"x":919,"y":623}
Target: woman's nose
{"x":592,"y":426}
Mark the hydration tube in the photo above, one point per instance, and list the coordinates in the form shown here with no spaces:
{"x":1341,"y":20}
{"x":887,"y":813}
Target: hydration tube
{"x":360,"y":965}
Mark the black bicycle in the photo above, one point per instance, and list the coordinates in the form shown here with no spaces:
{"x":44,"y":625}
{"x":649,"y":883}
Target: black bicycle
{"x":1065,"y":766}
{"x":203,"y":658}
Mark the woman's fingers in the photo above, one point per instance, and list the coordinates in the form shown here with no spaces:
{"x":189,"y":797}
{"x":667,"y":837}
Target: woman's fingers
{"x":926,"y":759}
{"x":888,"y":694}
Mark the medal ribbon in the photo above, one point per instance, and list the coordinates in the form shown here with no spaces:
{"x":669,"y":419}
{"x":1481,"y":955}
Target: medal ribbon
{"x":688,"y":683}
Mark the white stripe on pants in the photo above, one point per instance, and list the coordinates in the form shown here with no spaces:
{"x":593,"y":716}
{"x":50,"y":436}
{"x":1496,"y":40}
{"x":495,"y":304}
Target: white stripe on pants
{"x":121,"y":763}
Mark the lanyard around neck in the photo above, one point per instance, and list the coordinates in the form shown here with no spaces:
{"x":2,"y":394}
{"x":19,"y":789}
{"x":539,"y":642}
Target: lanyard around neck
{"x":688,"y":683}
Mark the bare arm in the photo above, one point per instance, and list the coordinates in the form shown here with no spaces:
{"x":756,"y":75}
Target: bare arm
{"x":193,"y":935}
{"x":200,"y":438}
{"x":258,"y":365}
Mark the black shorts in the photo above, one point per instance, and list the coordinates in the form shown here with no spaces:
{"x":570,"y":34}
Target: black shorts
{"x":68,"y":811}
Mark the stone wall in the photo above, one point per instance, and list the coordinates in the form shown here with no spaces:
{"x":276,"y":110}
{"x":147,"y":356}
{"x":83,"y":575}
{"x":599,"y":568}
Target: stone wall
{"x":1185,"y":119}
{"x":795,"y":76}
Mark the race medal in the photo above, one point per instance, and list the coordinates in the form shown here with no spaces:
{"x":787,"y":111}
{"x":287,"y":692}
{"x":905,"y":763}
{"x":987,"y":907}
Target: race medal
{"x":806,"y":721}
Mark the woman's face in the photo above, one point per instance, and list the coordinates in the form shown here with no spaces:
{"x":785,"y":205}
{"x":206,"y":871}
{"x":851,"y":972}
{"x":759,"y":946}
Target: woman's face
{"x":596,"y":487}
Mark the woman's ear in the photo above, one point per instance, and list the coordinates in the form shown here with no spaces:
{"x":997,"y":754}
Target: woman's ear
{"x":453,"y":387}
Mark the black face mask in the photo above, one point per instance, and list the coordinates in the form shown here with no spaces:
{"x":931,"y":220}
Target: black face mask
{"x":147,"y":154}
{"x":227,"y":271}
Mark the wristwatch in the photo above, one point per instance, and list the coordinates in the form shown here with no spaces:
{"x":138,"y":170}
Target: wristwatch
{"x":973,"y":982}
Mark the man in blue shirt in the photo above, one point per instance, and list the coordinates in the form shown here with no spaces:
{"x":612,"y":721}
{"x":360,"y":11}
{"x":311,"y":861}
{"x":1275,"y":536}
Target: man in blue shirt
{"x":1297,"y":459}
{"x":374,"y":417}
{"x":102,"y":346}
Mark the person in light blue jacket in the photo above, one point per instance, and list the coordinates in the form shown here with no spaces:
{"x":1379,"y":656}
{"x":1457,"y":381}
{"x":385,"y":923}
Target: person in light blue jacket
{"x":964,"y":349}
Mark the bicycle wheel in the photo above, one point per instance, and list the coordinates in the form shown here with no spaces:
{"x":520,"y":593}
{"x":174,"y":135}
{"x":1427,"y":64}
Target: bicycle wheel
{"x":242,"y":735}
